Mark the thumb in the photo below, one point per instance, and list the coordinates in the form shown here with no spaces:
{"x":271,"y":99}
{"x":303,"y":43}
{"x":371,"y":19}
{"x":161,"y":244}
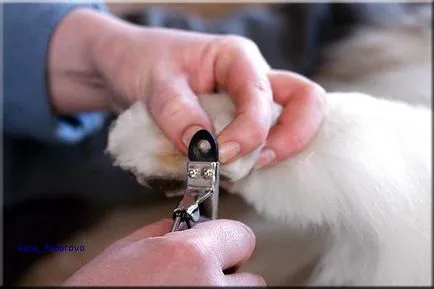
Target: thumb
{"x":177,"y":111}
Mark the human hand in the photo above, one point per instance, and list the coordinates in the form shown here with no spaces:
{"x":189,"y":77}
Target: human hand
{"x":168,"y":69}
{"x":195,"y":257}
{"x":304,"y":105}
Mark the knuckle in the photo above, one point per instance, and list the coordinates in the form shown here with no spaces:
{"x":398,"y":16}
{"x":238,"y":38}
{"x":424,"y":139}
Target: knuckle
{"x":258,"y":90}
{"x":195,"y":249}
{"x":239,"y":42}
{"x":315,"y":94}
{"x":170,"y":245}
{"x":258,"y":132}
{"x":247,"y":43}
{"x":259,"y":126}
{"x":287,"y":145}
{"x":252,"y":139}
{"x":297,"y":144}
{"x":167,"y":105}
{"x":188,"y":247}
{"x":261,"y":85}
{"x":245,"y":47}
{"x":167,"y":102}
{"x":174,"y":248}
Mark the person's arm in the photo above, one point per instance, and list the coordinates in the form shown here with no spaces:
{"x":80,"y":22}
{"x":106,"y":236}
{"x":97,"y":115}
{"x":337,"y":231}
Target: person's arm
{"x":28,"y":113}
{"x":98,"y":62}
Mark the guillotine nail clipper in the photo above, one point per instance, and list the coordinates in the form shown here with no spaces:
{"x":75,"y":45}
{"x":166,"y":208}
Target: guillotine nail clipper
{"x":202,"y":179}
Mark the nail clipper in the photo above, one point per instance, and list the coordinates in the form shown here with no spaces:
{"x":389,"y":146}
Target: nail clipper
{"x":202,"y":181}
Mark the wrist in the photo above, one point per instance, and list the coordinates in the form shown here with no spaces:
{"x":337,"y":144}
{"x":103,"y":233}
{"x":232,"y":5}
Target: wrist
{"x":74,"y":83}
{"x":112,"y":54}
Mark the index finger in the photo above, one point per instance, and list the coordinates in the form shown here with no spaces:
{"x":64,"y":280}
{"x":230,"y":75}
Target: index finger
{"x":241,"y":70}
{"x":231,"y":242}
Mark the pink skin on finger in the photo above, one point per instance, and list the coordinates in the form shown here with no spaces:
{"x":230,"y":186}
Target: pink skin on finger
{"x":304,"y":107}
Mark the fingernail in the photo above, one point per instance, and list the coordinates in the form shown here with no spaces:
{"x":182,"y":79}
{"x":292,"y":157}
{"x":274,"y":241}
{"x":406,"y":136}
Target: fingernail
{"x":188,"y":134}
{"x":228,"y":151}
{"x":266,"y":157}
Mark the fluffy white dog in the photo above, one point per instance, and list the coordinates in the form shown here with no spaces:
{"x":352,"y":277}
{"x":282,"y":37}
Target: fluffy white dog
{"x":365,"y":178}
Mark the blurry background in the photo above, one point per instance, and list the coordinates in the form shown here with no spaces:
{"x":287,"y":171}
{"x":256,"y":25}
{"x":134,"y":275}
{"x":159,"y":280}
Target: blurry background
{"x":380,"y":49}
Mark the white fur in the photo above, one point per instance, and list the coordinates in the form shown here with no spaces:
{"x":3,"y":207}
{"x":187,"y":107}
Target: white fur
{"x":366,"y":178}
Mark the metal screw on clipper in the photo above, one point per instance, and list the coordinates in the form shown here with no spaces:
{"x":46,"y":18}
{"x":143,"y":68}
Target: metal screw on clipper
{"x":202,"y":182}
{"x":193,"y":173}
